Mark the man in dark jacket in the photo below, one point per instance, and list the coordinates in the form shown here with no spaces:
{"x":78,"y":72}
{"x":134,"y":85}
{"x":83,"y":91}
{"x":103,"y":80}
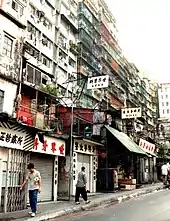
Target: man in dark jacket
{"x":81,"y":186}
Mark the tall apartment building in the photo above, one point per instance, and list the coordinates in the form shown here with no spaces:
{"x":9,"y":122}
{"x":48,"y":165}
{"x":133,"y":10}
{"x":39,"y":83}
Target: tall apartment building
{"x":163,"y":124}
{"x":164,"y":100}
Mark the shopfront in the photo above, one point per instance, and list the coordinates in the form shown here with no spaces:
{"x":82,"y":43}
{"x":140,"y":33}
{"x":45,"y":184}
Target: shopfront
{"x":149,"y":163}
{"x":124,"y":155}
{"x":14,"y":138}
{"x":85,"y":154}
{"x":45,"y":158}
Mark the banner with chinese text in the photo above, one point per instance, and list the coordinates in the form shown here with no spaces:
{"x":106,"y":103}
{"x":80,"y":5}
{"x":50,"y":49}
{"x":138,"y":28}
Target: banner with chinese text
{"x":146,"y":146}
{"x":11,"y":139}
{"x":52,"y":146}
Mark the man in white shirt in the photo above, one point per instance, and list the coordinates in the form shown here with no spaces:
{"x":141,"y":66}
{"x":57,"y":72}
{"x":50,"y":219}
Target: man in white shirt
{"x":34,"y":180}
{"x":164,"y":170}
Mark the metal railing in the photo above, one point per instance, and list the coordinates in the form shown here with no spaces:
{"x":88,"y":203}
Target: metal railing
{"x":39,"y":119}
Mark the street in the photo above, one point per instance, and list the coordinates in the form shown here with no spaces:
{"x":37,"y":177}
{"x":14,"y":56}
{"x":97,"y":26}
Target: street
{"x":153,"y":207}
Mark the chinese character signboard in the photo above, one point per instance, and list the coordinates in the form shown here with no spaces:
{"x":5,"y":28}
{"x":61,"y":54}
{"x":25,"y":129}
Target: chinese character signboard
{"x":52,"y":146}
{"x":81,"y":146}
{"x":11,"y":139}
{"x":98,"y":82}
{"x":146,"y":146}
{"x":128,"y":113}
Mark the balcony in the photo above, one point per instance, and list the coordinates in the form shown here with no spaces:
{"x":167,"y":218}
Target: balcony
{"x":84,"y":24}
{"x":62,"y":61}
{"x":114,"y":66}
{"x":71,"y":20}
{"x":110,"y":50}
{"x":85,"y":39}
{"x":83,"y":10}
{"x":31,"y":117}
{"x":82,"y":70}
{"x":73,"y":48}
{"x":90,"y":60}
{"x":62,"y":42}
{"x":38,"y":114}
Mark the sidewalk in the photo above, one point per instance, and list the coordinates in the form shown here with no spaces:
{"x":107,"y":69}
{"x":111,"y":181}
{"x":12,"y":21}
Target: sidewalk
{"x":51,"y":210}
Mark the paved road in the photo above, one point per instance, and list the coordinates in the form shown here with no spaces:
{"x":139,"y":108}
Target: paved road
{"x":153,"y":207}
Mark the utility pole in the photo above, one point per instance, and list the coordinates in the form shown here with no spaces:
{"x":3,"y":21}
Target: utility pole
{"x":71,"y":143}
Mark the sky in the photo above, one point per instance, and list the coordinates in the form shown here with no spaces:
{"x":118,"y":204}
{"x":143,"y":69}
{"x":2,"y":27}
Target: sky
{"x":144,"y":34}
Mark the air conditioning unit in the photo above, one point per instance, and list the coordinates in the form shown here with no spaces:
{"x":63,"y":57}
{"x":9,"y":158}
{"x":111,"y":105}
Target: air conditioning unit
{"x":45,"y":77}
{"x":31,"y":52}
{"x":29,"y":29}
{"x":45,"y":42}
{"x":45,"y":23}
{"x":40,"y":14}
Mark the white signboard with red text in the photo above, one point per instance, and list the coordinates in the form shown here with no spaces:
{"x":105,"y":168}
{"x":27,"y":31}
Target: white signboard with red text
{"x":52,"y":146}
{"x":146,"y":146}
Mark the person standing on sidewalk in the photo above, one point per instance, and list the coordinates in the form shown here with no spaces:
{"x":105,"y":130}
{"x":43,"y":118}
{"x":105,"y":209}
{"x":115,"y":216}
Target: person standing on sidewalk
{"x":164,"y":170}
{"x":81,"y":186}
{"x":34,"y":186}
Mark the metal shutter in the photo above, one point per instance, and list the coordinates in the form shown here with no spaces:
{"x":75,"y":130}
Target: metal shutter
{"x":44,"y":164}
{"x":84,"y":160}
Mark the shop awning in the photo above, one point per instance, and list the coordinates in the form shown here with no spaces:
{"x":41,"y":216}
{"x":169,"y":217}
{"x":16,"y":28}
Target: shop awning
{"x":126,"y":141}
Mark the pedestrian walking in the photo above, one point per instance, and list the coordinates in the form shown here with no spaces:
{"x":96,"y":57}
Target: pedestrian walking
{"x":164,"y":169}
{"x":81,"y":186}
{"x":34,"y":186}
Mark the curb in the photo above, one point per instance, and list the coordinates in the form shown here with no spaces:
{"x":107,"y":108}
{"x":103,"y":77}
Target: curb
{"x":107,"y":200}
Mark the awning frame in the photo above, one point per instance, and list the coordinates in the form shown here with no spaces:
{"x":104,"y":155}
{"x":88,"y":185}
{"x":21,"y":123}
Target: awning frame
{"x":126,"y":141}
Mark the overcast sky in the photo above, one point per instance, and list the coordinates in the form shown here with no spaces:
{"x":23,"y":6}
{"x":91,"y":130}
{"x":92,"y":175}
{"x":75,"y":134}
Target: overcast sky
{"x":144,"y":33}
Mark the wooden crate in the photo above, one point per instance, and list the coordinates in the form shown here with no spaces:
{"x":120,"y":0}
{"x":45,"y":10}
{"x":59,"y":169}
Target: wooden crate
{"x":127,"y":181}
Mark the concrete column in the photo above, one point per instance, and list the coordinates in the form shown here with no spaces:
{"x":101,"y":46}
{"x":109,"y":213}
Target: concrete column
{"x":75,"y":173}
{"x":95,"y":166}
{"x":91,"y":174}
{"x":55,"y":184}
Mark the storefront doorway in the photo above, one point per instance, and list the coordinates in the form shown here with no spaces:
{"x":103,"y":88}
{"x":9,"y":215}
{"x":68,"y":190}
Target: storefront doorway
{"x":83,"y":160}
{"x":45,"y":165}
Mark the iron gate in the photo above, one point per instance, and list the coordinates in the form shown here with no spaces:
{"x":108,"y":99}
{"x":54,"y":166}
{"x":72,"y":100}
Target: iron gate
{"x":13,"y":198}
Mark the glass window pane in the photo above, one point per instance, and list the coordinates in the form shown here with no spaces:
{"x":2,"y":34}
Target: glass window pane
{"x":30,"y":74}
